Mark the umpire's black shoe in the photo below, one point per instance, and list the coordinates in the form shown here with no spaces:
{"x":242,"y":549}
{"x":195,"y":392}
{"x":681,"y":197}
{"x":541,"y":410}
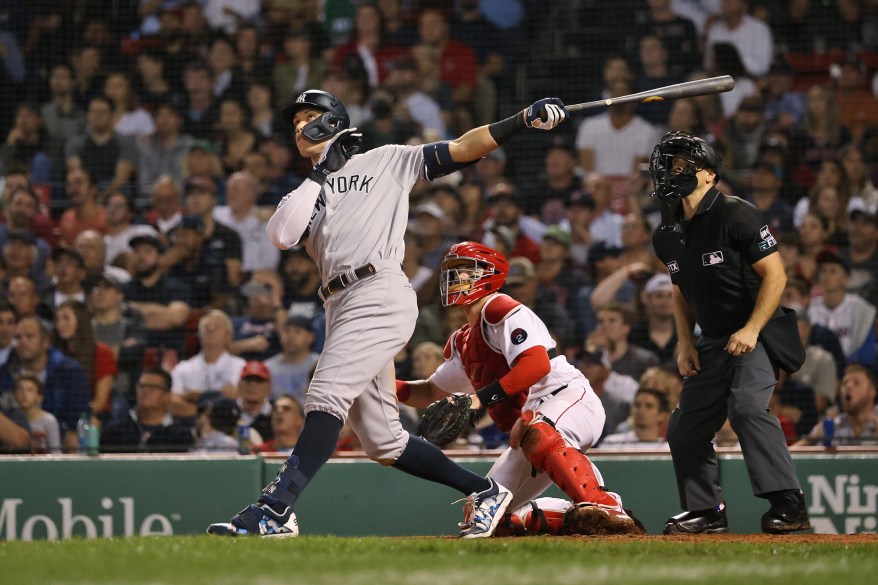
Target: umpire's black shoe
{"x":710,"y":521}
{"x":788,"y":513}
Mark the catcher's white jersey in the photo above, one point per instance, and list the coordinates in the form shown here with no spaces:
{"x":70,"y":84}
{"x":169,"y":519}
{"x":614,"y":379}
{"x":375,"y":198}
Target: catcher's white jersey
{"x":521,"y":329}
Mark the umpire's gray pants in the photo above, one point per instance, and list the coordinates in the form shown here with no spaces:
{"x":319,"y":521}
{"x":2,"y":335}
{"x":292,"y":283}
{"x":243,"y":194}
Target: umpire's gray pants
{"x":737,"y":388}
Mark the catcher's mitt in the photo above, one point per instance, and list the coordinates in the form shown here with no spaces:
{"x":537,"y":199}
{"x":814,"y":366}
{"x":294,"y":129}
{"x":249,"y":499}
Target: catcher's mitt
{"x":445,"y":419}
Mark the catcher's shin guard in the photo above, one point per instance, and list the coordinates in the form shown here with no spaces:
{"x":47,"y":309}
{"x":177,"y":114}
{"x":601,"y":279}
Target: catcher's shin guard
{"x":569,"y":468}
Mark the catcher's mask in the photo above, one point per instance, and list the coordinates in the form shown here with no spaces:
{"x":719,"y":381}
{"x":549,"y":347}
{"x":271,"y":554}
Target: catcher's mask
{"x":471,"y":271}
{"x":675,"y":162}
{"x":333,"y":120}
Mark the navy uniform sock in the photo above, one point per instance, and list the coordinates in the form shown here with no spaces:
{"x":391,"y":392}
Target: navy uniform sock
{"x":425,"y":460}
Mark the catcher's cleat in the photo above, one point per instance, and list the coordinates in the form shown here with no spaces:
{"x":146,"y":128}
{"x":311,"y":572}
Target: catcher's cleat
{"x":483,"y":511}
{"x":258,"y":520}
{"x":710,"y":521}
{"x":788,"y":513}
{"x":592,"y":519}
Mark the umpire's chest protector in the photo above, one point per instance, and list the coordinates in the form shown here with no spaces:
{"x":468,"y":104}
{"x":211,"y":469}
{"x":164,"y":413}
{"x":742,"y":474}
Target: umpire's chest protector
{"x":712,"y":260}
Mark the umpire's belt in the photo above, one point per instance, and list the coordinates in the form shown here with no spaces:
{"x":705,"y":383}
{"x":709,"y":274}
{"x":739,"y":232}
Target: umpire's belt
{"x":345,"y":279}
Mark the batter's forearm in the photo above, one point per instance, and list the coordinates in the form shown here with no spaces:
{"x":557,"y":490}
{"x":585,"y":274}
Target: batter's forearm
{"x":473,"y":145}
{"x":420,"y":393}
{"x":291,"y":218}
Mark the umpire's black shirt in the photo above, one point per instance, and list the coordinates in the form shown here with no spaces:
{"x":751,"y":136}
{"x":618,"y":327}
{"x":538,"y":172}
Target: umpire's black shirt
{"x":712,"y":261}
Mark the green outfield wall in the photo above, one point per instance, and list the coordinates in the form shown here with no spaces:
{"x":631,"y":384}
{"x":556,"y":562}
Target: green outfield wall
{"x":117,"y":496}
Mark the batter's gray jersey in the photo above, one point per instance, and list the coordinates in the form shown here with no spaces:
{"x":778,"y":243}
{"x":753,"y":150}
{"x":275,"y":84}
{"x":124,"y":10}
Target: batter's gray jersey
{"x":362,"y":212}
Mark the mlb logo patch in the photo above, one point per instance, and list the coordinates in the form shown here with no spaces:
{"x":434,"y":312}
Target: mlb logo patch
{"x":673,"y":267}
{"x":712,"y":258}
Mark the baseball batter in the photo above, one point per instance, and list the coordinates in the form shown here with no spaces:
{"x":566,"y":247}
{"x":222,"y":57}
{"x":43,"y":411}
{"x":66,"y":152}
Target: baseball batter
{"x":351,"y":215}
{"x":505,"y":355}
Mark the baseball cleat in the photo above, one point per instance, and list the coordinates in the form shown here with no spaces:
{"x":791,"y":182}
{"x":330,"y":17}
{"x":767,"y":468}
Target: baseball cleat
{"x":258,"y":520}
{"x":483,"y":511}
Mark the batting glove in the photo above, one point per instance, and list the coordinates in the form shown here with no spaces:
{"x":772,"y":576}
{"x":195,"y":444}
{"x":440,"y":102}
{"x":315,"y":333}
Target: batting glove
{"x":545,"y":114}
{"x":336,"y":153}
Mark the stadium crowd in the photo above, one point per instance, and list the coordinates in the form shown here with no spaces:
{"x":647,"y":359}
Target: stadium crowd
{"x":143,"y":156}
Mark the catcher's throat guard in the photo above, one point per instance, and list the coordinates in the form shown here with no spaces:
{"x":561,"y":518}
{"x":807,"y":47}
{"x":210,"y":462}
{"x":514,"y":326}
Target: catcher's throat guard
{"x":469,"y":272}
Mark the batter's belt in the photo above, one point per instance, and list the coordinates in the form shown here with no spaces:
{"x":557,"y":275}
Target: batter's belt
{"x":345,"y":279}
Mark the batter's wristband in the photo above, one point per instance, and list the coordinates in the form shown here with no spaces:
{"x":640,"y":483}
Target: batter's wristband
{"x":504,"y":130}
{"x":492,"y":394}
{"x":403,"y":390}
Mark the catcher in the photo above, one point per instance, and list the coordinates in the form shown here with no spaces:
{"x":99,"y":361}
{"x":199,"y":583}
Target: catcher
{"x":506,"y":357}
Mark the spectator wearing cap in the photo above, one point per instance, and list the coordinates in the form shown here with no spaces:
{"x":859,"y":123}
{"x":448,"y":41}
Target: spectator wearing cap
{"x":606,"y":225}
{"x":219,"y":239}
{"x":287,"y":420}
{"x":856,"y":104}
{"x":614,"y":326}
{"x":784,"y":107}
{"x":254,"y":392}
{"x":65,"y":388}
{"x":106,"y":157}
{"x":603,"y":261}
{"x":21,"y":258}
{"x":848,"y":315}
{"x":122,"y":328}
{"x":765,"y":194}
{"x":615,"y":390}
{"x":555,"y":270}
{"x":557,"y":182}
{"x":507,"y":210}
{"x":523,"y":286}
{"x":291,"y":369}
{"x":210,"y":373}
{"x":818,"y":372}
{"x":21,"y":207}
{"x":256,"y":331}
{"x":200,"y":267}
{"x":404,"y":82}
{"x":862,"y":254}
{"x":216,"y":428}
{"x":656,"y":332}
{"x":167,"y":209}
{"x":84,"y":213}
{"x":69,"y":269}
{"x":163,"y":301}
{"x":149,"y":426}
{"x":120,"y":229}
{"x":427,"y":224}
{"x":242,"y":216}
{"x":90,"y":245}
{"x":745,"y":132}
{"x":163,"y":153}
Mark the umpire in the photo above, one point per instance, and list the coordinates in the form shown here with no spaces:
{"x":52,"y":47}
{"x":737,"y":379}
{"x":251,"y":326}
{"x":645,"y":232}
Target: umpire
{"x":728,"y":280}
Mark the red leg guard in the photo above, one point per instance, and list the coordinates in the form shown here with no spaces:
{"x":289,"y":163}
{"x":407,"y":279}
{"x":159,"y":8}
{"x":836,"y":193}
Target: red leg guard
{"x":569,"y":468}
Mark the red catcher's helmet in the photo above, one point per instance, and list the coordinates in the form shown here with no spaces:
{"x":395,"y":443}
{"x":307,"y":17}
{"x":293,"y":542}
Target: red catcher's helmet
{"x":471,"y":271}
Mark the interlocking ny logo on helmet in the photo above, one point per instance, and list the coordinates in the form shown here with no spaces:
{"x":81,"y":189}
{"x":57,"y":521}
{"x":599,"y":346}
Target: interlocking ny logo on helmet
{"x":334,"y":119}
{"x":471,"y":271}
{"x":678,"y":182}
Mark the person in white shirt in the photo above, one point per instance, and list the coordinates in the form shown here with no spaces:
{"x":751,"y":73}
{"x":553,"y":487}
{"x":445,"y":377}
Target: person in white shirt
{"x":617,"y":141}
{"x":241,"y":215}
{"x":212,"y":371}
{"x":649,"y":418}
{"x":120,"y":230}
{"x":751,"y":36}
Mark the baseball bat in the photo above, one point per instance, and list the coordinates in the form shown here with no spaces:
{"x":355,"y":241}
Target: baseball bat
{"x":719,"y":84}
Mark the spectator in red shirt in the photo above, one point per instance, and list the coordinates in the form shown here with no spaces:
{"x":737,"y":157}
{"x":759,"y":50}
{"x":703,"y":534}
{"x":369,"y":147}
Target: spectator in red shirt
{"x":85,"y":212}
{"x":75,"y":338}
{"x":369,"y":48}
{"x":458,"y":67}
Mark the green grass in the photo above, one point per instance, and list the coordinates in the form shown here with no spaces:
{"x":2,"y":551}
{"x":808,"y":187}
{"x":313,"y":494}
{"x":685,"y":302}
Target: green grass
{"x":321,"y":560}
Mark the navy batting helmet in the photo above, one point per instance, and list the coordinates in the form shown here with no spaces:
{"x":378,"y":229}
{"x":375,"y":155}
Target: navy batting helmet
{"x":698,"y":153}
{"x":334,"y":120}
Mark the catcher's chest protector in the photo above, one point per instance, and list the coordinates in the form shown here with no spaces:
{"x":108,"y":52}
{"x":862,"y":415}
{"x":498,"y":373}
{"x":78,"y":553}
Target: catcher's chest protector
{"x":482,"y":364}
